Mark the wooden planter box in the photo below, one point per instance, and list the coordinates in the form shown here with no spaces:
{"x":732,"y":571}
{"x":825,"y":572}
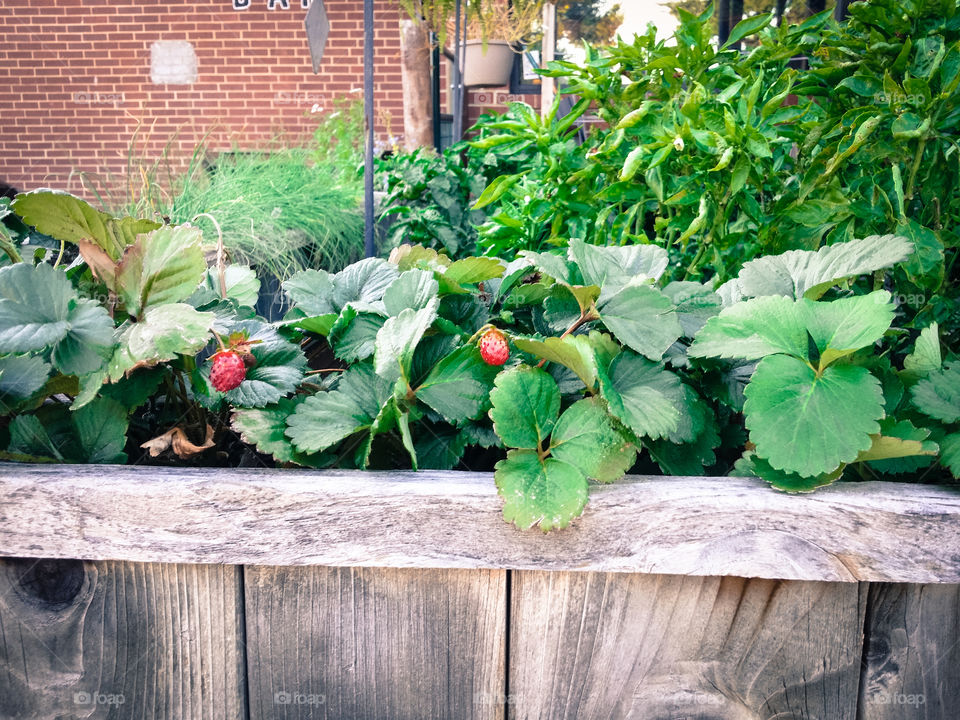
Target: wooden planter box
{"x":176,"y":593}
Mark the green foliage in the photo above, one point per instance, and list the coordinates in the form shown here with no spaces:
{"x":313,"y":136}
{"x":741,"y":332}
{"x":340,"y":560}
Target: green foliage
{"x":278,"y":211}
{"x":428,"y":200}
{"x":108,"y":349}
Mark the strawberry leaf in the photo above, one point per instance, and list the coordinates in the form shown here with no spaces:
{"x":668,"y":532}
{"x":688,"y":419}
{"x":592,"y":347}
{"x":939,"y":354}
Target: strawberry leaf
{"x":643,"y":395}
{"x":266,"y":429}
{"x":547,"y":492}
{"x":585,"y":437}
{"x":165,"y":332}
{"x":20,"y":377}
{"x":926,"y":357}
{"x":413,"y":289}
{"x":39,"y":309}
{"x":573,"y":351}
{"x":458,"y":387}
{"x":324,"y":419}
{"x":754,"y":329}
{"x":161,"y":267}
{"x":938,"y":394}
{"x":397,"y":340}
{"x":791,"y":412}
{"x":643,"y":318}
{"x":806,"y":273}
{"x":526,"y":405}
{"x":277,"y":370}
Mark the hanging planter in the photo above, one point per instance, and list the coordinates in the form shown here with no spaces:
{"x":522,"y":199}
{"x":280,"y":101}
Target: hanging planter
{"x":487,"y":64}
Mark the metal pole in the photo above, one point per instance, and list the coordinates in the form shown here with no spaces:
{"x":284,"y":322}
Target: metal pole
{"x":457,"y":78}
{"x":368,"y":239}
{"x":435,"y":91}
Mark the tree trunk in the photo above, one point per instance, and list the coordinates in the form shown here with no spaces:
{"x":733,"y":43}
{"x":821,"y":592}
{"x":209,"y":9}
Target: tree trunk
{"x":736,"y":15}
{"x":415,"y":73}
{"x":816,"y":6}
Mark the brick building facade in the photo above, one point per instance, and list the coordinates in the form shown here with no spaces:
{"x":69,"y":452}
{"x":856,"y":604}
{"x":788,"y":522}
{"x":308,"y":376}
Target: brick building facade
{"x":77,"y":78}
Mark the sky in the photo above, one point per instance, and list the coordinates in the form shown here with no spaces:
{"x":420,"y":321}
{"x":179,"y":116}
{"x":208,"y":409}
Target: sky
{"x":637,"y":13}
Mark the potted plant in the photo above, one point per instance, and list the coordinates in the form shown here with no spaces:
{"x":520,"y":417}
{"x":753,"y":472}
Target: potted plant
{"x":495,"y":31}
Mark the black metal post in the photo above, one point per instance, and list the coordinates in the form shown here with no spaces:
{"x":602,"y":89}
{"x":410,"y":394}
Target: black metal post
{"x":435,"y":92}
{"x":457,"y":77}
{"x":368,"y":239}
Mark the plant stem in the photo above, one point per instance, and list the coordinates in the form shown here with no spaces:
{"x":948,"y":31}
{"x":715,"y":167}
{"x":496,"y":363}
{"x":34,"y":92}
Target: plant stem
{"x":908,"y":193}
{"x":6,"y":244}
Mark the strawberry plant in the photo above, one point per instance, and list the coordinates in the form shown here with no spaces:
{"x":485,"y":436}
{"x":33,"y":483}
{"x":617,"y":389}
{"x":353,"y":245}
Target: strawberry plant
{"x":108,"y":346}
{"x":554,"y":370}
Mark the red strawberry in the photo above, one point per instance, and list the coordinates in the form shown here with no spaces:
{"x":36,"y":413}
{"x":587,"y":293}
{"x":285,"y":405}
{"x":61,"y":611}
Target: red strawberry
{"x":228,"y":370}
{"x":493,"y":347}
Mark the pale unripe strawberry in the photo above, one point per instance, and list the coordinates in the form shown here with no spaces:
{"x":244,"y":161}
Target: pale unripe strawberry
{"x":493,"y":347}
{"x":228,"y":370}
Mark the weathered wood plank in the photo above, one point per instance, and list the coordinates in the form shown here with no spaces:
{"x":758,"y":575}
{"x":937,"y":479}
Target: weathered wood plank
{"x":690,"y":526}
{"x":120,"y":640}
{"x":912,"y":653}
{"x":369,"y":643}
{"x":600,"y":645}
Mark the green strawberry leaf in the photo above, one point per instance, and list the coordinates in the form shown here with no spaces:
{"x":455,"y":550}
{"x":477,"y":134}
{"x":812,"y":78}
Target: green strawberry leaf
{"x":20,"y":377}
{"x":39,"y":309}
{"x":586,"y":438}
{"x":398,"y":338}
{"x":754,"y":329}
{"x":413,"y":289}
{"x":643,"y":395}
{"x":65,"y":217}
{"x":806,"y":273}
{"x":101,"y":430}
{"x":791,"y":413}
{"x":695,"y":303}
{"x":950,"y":453}
{"x":439,"y":446}
{"x":312,"y":292}
{"x":898,"y":440}
{"x":472,"y":270}
{"x":547,"y":492}
{"x":843,"y":326}
{"x":752,"y":466}
{"x":353,"y":335}
{"x":364,"y":281}
{"x":612,"y":267}
{"x":266,"y":428}
{"x":458,"y":387}
{"x":938,"y":394}
{"x":926,"y":357}
{"x":165,"y":332}
{"x":96,"y":433}
{"x":688,"y":458}
{"x":526,"y":405}
{"x":642,"y":318}
{"x":573,"y":351}
{"x":900,"y":447}
{"x":242,"y":283}
{"x":161,"y":267}
{"x":324,"y":419}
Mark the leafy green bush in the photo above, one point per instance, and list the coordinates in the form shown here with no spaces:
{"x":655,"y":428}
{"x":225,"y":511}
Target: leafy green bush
{"x":430,"y":197}
{"x":785,"y":371}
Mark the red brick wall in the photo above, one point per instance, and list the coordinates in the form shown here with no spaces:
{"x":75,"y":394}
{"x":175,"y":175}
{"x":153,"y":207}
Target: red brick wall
{"x":75,"y":80}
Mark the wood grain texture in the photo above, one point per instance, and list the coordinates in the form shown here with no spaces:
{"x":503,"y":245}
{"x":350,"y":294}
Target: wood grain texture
{"x":370,"y":643}
{"x":690,"y":526}
{"x":601,"y":645}
{"x":913,"y":653}
{"x":120,"y":641}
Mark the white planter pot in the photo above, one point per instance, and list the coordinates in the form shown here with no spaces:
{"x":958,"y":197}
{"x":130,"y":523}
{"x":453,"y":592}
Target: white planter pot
{"x":490,"y":68}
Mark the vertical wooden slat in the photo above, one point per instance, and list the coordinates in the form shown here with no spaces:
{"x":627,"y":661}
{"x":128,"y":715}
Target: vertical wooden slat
{"x":912,"y":664}
{"x":375,"y":643}
{"x":592,"y":645}
{"x":120,"y":640}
